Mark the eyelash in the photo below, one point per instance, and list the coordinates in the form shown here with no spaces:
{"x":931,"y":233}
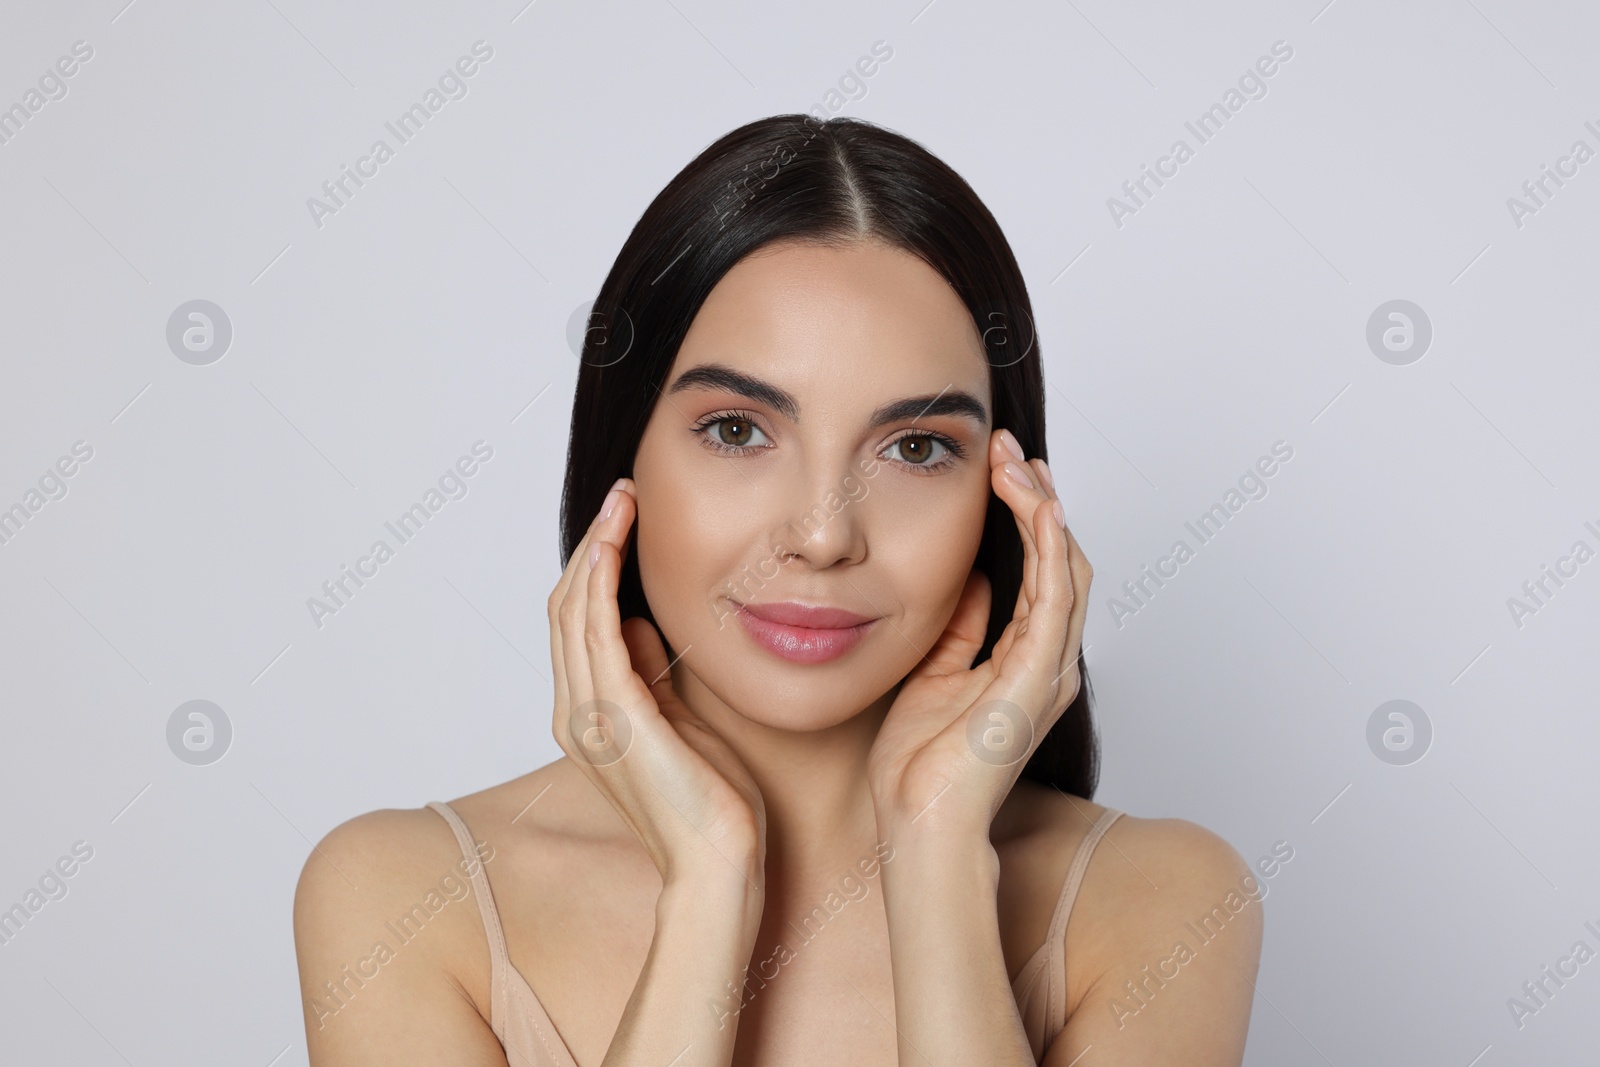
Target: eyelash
{"x":955,"y":449}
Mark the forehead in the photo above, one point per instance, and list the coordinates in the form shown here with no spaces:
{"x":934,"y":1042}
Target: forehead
{"x":812,"y":316}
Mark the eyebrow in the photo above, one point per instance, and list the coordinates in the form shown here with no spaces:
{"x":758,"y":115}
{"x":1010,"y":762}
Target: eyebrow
{"x":957,"y":402}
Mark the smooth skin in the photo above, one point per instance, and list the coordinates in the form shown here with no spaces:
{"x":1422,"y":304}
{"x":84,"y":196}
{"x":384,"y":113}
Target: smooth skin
{"x":633,"y":890}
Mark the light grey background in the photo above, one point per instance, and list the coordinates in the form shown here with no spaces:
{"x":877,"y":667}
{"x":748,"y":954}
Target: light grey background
{"x":368,"y":354}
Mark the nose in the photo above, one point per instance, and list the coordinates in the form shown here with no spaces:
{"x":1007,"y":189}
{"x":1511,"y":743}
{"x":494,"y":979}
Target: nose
{"x":828,"y":527}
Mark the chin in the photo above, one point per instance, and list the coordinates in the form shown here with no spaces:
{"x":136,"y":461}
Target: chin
{"x":797,"y":696}
{"x":799,"y":708}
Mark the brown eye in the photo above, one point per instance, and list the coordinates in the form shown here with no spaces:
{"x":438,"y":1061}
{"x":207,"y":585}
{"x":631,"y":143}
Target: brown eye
{"x":731,"y":434}
{"x":916,"y":449}
{"x":926,"y":453}
{"x":739,"y":436}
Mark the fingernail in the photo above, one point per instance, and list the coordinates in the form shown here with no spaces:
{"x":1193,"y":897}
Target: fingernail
{"x":1044,"y":472}
{"x":594,"y":553}
{"x":611,"y":503}
{"x":1011,"y":444}
{"x":1019,"y":475}
{"x":1061,"y":515}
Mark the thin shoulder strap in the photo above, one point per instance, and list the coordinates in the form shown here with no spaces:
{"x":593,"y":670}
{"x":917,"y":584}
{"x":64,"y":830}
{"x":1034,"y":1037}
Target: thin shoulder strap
{"x":499,"y":960}
{"x":1056,"y":1012}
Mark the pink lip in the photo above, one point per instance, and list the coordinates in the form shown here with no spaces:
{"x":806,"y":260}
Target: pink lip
{"x":801,"y":633}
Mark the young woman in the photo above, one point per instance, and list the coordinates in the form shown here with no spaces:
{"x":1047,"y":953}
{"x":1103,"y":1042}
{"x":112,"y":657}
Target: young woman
{"x":818,"y":679}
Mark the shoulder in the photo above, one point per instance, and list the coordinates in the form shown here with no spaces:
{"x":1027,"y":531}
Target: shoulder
{"x":369,"y":857}
{"x":375,"y":858}
{"x":1188,"y":855}
{"x":369,"y":865}
{"x":400,"y":849}
{"x":392,"y":952}
{"x":1152,"y":877}
{"x":367,"y":872}
{"x":1164,"y":897}
{"x":1141,"y":882}
{"x":389,"y":943}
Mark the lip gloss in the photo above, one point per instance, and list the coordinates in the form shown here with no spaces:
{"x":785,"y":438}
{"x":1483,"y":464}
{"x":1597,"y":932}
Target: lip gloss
{"x":800,"y":644}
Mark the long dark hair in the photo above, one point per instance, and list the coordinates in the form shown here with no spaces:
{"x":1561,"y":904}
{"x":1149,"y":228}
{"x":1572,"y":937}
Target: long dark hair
{"x":839,"y":180}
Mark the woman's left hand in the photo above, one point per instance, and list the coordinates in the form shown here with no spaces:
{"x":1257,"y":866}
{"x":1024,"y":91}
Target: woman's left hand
{"x":956,"y":738}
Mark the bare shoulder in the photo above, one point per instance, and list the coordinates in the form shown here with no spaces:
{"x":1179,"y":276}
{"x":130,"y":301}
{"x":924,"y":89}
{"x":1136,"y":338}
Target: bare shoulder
{"x":387,"y":844}
{"x":389,"y":944}
{"x":390,"y":940}
{"x":1163,"y":947}
{"x":1159,"y":868}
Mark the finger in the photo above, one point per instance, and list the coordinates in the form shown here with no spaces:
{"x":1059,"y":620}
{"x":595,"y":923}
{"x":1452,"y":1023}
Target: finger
{"x":573,"y":684}
{"x":578,"y":643}
{"x":1058,"y":603}
{"x":576,"y":561}
{"x":580,"y":554}
{"x":1046,"y":481}
{"x":646,"y":652}
{"x":1033,"y":659}
{"x":1080,"y":572}
{"x":1025,"y":510}
{"x":963,"y":636}
{"x":610,"y":666}
{"x":1082,"y":575}
{"x":1023,"y":499}
{"x":554,"y":608}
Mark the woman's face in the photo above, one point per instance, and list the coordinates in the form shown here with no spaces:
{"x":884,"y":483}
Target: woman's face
{"x":821,"y":440}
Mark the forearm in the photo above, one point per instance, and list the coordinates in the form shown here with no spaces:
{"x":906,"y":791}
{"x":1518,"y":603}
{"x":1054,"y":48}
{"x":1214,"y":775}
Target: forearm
{"x":684,"y":1008}
{"x":952,"y":996}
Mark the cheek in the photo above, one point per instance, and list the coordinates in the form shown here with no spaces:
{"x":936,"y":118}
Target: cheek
{"x":690,"y":557}
{"x":928,"y":554}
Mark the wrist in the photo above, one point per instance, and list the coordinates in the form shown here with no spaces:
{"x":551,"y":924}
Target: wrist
{"x":728,"y":885}
{"x":721,"y":914}
{"x":942,"y":854}
{"x":934,"y":827}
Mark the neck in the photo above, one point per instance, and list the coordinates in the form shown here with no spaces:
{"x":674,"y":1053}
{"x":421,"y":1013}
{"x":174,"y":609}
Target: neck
{"x":820,"y":818}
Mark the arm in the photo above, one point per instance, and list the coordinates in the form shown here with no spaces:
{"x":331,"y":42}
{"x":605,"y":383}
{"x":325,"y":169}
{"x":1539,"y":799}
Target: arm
{"x":952,"y":997}
{"x":685,"y":1007}
{"x":1153,"y":884}
{"x":948,"y":752}
{"x":946,"y":756}
{"x":686,"y":795}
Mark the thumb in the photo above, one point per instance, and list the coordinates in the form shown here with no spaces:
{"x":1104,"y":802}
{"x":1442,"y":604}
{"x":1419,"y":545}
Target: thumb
{"x":649,"y":657}
{"x":963,"y":635}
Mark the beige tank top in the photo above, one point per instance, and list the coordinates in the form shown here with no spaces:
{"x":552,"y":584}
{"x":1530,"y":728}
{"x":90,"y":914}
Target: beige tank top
{"x":530,"y":1038}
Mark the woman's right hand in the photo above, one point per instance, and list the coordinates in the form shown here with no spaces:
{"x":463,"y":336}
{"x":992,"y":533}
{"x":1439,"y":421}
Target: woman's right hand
{"x":686,"y":795}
